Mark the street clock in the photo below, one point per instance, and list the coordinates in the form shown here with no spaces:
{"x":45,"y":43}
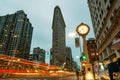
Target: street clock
{"x":82,"y":29}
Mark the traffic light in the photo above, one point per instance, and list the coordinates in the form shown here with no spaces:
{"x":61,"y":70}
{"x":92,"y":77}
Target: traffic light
{"x":84,"y":57}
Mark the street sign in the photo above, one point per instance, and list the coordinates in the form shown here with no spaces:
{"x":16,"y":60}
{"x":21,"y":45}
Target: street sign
{"x":77,"y":43}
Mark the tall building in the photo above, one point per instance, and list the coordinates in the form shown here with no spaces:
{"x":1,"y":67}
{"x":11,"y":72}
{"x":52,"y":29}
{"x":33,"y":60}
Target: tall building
{"x":69,"y":60}
{"x":58,"y":39}
{"x":92,"y":50}
{"x":105,"y":15}
{"x":38,"y":55}
{"x":15,"y":35}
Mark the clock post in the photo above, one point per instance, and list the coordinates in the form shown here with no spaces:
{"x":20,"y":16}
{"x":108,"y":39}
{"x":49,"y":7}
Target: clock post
{"x":83,"y":30}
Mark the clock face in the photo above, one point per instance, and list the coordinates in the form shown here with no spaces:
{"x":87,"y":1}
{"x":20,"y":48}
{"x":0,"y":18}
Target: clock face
{"x":83,"y":29}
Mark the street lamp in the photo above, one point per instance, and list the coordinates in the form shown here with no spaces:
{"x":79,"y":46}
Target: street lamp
{"x":83,"y":30}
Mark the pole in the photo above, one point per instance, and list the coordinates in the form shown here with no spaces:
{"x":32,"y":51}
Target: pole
{"x":88,"y":65}
{"x":85,"y":48}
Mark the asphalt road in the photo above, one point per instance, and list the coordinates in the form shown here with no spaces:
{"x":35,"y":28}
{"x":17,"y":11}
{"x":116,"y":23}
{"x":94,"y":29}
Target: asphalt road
{"x":45,"y":78}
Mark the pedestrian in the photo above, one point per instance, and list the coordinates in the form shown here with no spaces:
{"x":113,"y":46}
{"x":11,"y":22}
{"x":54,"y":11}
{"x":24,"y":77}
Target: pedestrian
{"x":77,"y":74}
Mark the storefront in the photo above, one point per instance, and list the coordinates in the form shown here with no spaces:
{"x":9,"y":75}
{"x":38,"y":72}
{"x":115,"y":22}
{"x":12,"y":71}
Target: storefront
{"x":116,"y":47}
{"x":103,"y":71}
{"x":113,"y":67}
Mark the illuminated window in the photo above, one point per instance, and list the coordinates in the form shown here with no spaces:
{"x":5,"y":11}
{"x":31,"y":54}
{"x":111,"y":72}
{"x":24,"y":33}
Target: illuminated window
{"x":96,"y":53}
{"x":92,"y":54}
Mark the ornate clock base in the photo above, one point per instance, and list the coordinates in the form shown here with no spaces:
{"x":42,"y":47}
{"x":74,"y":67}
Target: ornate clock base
{"x":88,"y":72}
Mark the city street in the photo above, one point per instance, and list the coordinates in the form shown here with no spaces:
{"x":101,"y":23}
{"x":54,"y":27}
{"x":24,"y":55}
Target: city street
{"x":73,"y":77}
{"x":60,"y":40}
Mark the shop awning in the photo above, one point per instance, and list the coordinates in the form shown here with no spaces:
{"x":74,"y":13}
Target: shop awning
{"x":116,"y":44}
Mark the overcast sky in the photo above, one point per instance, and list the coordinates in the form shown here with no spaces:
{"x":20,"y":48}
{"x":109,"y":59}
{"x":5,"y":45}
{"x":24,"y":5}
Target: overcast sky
{"x":40,"y":14}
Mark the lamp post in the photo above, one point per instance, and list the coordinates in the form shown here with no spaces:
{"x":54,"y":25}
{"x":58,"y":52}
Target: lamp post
{"x":83,"y":30}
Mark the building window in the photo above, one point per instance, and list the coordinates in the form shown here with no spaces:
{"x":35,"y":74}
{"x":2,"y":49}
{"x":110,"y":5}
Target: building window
{"x":99,"y":4}
{"x":118,"y":51}
{"x":96,"y":53}
{"x":92,"y":54}
{"x":101,"y":11}
{"x":111,"y":2}
{"x":105,"y":1}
